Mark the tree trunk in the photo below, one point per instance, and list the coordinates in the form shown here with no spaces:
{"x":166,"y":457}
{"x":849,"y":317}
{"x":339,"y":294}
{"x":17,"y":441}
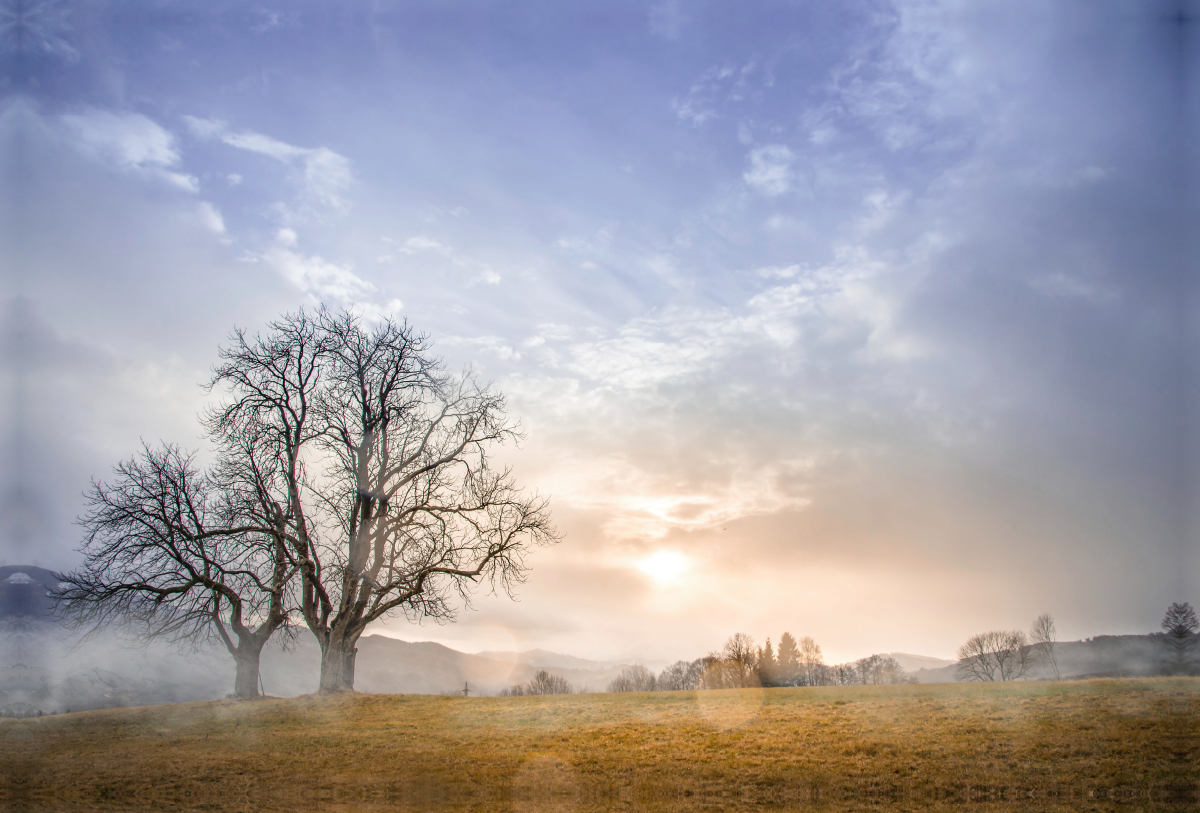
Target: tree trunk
{"x":247,"y":658}
{"x":337,"y":663}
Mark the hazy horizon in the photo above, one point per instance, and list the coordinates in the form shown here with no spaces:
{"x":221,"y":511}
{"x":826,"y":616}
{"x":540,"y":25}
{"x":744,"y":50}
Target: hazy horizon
{"x":872,"y":321}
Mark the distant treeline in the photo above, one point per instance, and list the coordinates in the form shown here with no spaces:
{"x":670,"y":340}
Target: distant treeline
{"x":541,"y":683}
{"x":998,"y":655}
{"x":741,"y":664}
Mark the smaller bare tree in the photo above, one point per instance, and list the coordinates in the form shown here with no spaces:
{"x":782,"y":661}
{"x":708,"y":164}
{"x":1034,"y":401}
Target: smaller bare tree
{"x":676,"y":677}
{"x":684,"y":675}
{"x":636,"y":678}
{"x":880,"y":670}
{"x":812,"y":663}
{"x":1042,"y":636}
{"x":734,"y":667}
{"x":177,"y":554}
{"x":542,"y":682}
{"x":996,"y":655}
{"x":1180,"y":625}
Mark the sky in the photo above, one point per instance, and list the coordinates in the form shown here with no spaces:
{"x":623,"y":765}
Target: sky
{"x":868,"y":321}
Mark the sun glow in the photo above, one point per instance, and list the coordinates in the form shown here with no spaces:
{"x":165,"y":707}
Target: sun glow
{"x":664,"y":565}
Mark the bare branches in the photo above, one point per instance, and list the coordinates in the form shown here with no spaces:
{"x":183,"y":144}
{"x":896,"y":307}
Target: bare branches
{"x":997,"y":655}
{"x":167,"y":557}
{"x":403,"y":512}
{"x":542,"y":682}
{"x":1180,"y":624}
{"x":344,"y":456}
{"x":1042,"y":636}
{"x":636,"y":678}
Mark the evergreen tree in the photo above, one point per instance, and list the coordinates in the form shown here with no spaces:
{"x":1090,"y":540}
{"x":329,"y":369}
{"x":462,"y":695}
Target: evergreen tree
{"x":768,"y":667}
{"x":788,"y":660}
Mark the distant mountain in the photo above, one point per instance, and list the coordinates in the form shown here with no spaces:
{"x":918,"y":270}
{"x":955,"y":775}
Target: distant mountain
{"x":543,"y":659}
{"x":911,"y":663}
{"x":43,"y":670}
{"x":391,"y":666}
{"x":40,"y":669}
{"x":24,"y":592}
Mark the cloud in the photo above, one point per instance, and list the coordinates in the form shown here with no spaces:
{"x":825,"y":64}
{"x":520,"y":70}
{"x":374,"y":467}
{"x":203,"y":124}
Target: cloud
{"x":770,"y":169}
{"x":487,"y":276}
{"x":642,"y":505}
{"x":488,"y":344}
{"x":714,"y":87}
{"x":374,"y":314}
{"x":131,"y":142}
{"x":325,"y":175}
{"x":211,"y":218}
{"x":416,"y":245}
{"x":323,"y":281}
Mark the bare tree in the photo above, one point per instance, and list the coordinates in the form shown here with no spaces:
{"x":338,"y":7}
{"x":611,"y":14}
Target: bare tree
{"x":735,"y":667}
{"x":678,"y":677}
{"x":178,"y":554}
{"x":740,"y":650}
{"x":684,"y":675}
{"x":997,"y":655}
{"x":636,"y":678}
{"x":384,"y":469}
{"x":842,"y":674}
{"x":541,"y":683}
{"x":1180,"y":624}
{"x":879,"y":670}
{"x":811,"y":662}
{"x":1042,"y":636}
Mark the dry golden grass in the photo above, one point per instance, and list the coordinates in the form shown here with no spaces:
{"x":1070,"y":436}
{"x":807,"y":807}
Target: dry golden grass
{"x":1023,"y":746}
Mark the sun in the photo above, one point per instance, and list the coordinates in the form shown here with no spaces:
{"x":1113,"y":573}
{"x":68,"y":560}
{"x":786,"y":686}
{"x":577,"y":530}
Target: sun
{"x":664,"y":565}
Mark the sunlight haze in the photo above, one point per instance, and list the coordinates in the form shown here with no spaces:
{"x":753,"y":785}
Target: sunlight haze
{"x":868,"y":321}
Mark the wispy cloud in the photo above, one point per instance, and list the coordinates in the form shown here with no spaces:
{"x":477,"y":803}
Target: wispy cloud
{"x":770,"y":169}
{"x":130,"y":142}
{"x":323,"y":281}
{"x":643,"y":505}
{"x":711,"y":89}
{"x":325,"y":175}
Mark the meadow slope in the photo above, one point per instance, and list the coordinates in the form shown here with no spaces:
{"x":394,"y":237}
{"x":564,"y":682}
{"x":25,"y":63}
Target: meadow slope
{"x":1027,"y":746}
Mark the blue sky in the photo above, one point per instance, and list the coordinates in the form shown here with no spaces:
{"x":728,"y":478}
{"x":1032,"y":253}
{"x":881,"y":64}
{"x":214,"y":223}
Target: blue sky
{"x":867,"y":321}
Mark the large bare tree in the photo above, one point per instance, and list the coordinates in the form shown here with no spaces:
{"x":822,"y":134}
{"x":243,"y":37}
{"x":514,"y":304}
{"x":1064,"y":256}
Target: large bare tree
{"x":172,"y":552}
{"x":383,"y":464}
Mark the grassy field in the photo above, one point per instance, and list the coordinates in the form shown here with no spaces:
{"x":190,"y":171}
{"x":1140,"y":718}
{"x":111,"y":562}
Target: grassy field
{"x":1129,"y":744}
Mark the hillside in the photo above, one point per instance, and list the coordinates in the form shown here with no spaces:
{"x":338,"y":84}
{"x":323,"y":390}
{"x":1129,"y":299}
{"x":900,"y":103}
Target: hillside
{"x":43,"y":668}
{"x":543,"y":659}
{"x":1094,"y":745}
{"x":1102,"y":656}
{"x":391,"y":666}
